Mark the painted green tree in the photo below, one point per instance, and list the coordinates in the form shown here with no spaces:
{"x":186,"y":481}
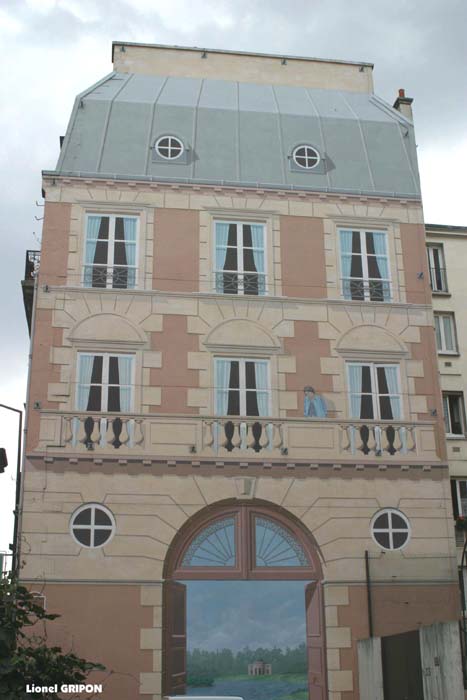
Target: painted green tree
{"x":25,"y":657}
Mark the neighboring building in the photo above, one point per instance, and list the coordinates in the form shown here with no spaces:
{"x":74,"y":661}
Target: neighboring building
{"x":222,"y":231}
{"x":259,"y":668}
{"x":447,"y":250}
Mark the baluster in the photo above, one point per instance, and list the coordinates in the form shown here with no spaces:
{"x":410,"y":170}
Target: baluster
{"x":398,"y":439}
{"x":208,"y":433}
{"x":237,"y":437}
{"x":278,"y":439}
{"x":377,"y":441}
{"x":68,"y":437}
{"x":364,"y":435}
{"x":264,"y":437}
{"x":110,"y":433}
{"x":82,"y":437}
{"x":96,"y":431}
{"x":139,"y":432}
{"x":250,"y":438}
{"x":411,"y":441}
{"x":124,"y":436}
{"x":346,"y":436}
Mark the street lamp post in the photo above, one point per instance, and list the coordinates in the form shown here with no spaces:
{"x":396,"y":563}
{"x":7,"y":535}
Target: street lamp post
{"x":15,"y":562}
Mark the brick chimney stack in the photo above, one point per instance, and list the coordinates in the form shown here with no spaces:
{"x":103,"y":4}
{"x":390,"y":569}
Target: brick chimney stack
{"x":403,"y":104}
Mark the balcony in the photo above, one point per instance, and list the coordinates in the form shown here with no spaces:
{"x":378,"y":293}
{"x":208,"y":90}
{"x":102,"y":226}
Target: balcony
{"x":183,"y":436}
{"x":33,"y":258}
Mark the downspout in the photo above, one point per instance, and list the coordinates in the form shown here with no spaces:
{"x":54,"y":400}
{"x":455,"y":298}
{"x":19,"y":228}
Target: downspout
{"x":368,"y":593}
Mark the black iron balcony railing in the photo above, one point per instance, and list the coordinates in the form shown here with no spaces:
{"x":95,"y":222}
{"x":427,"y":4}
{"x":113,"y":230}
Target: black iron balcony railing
{"x":33,"y":258}
{"x":366,"y":289}
{"x":102,"y":276}
{"x":241,"y":283}
{"x":438,"y":279}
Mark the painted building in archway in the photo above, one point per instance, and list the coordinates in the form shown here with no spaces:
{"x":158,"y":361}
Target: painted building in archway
{"x":233,"y":318}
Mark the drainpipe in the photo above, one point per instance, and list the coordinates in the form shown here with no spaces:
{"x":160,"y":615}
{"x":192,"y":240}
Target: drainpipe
{"x":368,"y":593}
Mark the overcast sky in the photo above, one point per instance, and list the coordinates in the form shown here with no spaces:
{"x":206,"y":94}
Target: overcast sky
{"x":53,"y":49}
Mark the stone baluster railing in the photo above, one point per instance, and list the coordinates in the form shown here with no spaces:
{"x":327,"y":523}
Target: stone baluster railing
{"x":94,"y":432}
{"x":255,"y":434}
{"x":377,"y":439}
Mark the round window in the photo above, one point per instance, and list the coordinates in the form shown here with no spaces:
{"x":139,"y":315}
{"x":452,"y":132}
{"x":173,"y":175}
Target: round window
{"x":169,"y":147}
{"x":390,"y":529}
{"x":306,"y":157}
{"x":92,"y":525}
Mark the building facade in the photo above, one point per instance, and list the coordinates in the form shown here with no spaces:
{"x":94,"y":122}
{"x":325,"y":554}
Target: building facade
{"x":233,"y":344}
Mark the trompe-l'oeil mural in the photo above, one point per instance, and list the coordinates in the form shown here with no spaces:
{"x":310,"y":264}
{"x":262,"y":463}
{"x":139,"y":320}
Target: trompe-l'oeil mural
{"x":314,"y":406}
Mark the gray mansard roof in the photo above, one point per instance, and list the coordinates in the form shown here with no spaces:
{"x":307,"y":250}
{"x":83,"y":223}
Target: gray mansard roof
{"x":240,"y":134}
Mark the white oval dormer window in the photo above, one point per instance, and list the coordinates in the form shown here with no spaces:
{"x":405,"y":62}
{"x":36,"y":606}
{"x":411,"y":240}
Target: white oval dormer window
{"x":169,"y":147}
{"x":306,"y":157}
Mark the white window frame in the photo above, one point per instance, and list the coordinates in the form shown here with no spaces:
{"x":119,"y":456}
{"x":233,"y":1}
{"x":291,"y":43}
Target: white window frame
{"x":366,"y":279}
{"x":92,"y":526}
{"x":242,"y":390}
{"x":375,"y":395}
{"x":432,"y":266}
{"x":171,"y":138}
{"x":390,"y":530}
{"x":460,"y":509}
{"x":105,"y":373}
{"x":111,"y":250}
{"x":439,"y":328}
{"x":306,"y":156}
{"x":447,"y":414}
{"x":240,"y":269}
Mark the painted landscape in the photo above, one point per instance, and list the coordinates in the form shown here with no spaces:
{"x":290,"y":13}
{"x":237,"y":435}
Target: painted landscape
{"x":234,"y":624}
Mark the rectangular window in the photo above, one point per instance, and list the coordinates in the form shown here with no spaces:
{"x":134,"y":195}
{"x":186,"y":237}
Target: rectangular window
{"x":374,"y":391}
{"x":365,"y":265}
{"x":453,"y":409}
{"x":438,"y":278}
{"x":110,"y":252}
{"x":242,"y":387}
{"x":240,"y":260}
{"x":105,"y":383}
{"x":459,"y":497}
{"x":445,"y":333}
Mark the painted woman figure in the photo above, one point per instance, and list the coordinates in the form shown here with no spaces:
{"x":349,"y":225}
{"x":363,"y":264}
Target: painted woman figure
{"x":314,"y":405}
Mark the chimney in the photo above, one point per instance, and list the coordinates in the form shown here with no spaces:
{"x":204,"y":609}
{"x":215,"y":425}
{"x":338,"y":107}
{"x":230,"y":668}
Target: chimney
{"x":403,"y":104}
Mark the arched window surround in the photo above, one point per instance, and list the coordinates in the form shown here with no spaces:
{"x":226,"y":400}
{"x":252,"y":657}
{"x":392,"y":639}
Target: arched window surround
{"x":245,"y":567}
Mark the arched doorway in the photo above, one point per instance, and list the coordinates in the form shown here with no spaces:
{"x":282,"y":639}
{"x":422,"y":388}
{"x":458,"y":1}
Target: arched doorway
{"x":242,"y":540}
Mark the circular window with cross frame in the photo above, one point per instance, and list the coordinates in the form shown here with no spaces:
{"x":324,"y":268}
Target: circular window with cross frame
{"x":306,"y":157}
{"x":390,"y":529}
{"x":92,"y":525}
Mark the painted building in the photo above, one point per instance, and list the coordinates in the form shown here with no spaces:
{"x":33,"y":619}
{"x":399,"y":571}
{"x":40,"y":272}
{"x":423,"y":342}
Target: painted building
{"x":234,"y":373}
{"x":259,"y":668}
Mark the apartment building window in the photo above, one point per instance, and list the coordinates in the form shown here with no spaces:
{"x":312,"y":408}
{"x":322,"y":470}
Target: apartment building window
{"x":438,"y":278}
{"x":365,"y":265}
{"x":240,"y":265}
{"x":454,"y":415}
{"x":110,"y":252}
{"x":459,"y":497}
{"x":445,"y":333}
{"x":105,"y":383}
{"x":242,"y":387}
{"x":374,"y":391}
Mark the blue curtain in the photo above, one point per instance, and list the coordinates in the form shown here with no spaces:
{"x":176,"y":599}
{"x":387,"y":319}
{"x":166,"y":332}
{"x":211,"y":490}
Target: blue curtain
{"x":94,"y":223}
{"x":125,"y":366}
{"x":393,"y":388}
{"x":129,"y":232}
{"x":355,"y":387}
{"x":222,"y":386}
{"x":222,"y":237}
{"x":257,"y":237}
{"x":346,"y":261}
{"x":379,"y":241}
{"x":84,"y":381}
{"x":262,"y":386}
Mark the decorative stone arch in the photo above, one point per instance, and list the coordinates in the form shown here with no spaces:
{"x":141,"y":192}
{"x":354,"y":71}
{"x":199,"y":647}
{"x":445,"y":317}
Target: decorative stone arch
{"x":195,"y":554}
{"x":108,"y":329}
{"x":242,"y":334}
{"x":367,"y":339}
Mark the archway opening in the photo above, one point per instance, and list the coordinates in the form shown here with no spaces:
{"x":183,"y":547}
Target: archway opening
{"x":243,"y":610}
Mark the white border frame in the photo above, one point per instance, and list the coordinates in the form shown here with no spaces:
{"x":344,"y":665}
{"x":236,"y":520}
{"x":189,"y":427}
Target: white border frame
{"x":374,"y":382}
{"x":364,"y":256}
{"x":448,"y":314}
{"x":105,"y":387}
{"x":106,"y":510}
{"x":304,"y":167}
{"x":169,"y":136}
{"x":390,"y":530}
{"x":111,"y":249}
{"x":242,"y":387}
{"x":238,"y":223}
